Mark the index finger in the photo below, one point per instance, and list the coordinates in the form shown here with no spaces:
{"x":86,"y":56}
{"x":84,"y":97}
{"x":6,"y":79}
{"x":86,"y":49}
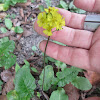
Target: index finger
{"x":88,"y":5}
{"x":73,"y":20}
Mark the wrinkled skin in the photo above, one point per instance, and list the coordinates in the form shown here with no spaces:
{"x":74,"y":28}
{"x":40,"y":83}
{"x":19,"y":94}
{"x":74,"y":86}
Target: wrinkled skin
{"x":84,"y":50}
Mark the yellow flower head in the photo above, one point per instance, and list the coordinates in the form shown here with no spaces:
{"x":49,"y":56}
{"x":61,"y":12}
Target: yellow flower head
{"x":50,"y":19}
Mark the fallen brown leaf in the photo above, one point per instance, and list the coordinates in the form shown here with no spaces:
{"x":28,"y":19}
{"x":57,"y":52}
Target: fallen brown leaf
{"x":8,"y":86}
{"x":72,"y":92}
{"x":7,"y":34}
{"x":24,"y":5}
{"x":26,"y":33}
{"x":6,"y":75}
{"x":3,"y":15}
{"x":93,"y":77}
{"x":21,"y":12}
{"x":3,"y":97}
{"x":93,"y":98}
{"x":15,"y":21}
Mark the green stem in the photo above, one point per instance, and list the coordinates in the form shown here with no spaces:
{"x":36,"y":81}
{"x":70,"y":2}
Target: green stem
{"x":44,"y":60}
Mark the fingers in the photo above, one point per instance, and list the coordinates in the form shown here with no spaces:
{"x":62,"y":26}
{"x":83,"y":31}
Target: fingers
{"x":72,"y":19}
{"x":88,"y":5}
{"x":72,"y":56}
{"x":71,"y":37}
{"x":96,"y":36}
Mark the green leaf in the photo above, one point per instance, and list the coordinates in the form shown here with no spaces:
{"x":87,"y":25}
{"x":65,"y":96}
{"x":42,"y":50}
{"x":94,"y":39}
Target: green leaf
{"x":49,"y":74}
{"x":64,"y":5}
{"x":67,"y":75}
{"x":21,"y":1}
{"x":13,"y":95}
{"x":8,"y":23}
{"x":3,"y":29}
{"x":38,"y":94}
{"x":59,"y":43}
{"x":59,"y":95}
{"x":82,"y":83}
{"x":55,"y":81}
{"x":18,"y":29}
{"x":48,"y":3}
{"x":75,"y":9}
{"x":7,"y":58}
{"x":61,"y":65}
{"x":5,"y":39}
{"x":34,"y":48}
{"x":41,"y":8}
{"x":0,"y":85}
{"x":34,"y":69}
{"x":9,"y":61}
{"x":27,"y":65}
{"x":32,"y":1}
{"x":24,"y":82}
{"x":17,"y":67}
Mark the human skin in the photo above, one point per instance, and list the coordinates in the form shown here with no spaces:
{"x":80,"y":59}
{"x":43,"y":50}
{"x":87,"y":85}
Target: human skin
{"x":83,"y":49}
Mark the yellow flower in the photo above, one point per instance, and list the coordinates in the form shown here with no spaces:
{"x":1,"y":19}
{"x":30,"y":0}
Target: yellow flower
{"x":50,"y":19}
{"x":51,"y":10}
{"x":41,"y":19}
{"x":48,"y":31}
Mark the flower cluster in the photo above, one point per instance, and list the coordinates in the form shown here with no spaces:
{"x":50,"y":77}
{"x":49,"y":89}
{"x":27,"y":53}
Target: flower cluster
{"x":50,"y":19}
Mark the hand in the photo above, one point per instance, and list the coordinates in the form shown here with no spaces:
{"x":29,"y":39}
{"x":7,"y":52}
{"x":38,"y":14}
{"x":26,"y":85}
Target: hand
{"x":84,"y":50}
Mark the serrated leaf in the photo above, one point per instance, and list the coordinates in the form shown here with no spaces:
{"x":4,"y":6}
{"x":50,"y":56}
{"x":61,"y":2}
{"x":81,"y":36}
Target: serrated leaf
{"x":24,"y":82}
{"x":59,"y":95}
{"x":8,"y":23}
{"x":49,"y":74}
{"x":3,"y":29}
{"x":18,"y":29}
{"x":82,"y":83}
{"x":64,"y":5}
